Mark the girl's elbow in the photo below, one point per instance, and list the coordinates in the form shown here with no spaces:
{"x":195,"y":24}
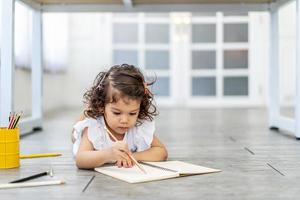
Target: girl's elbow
{"x":165,"y":154}
{"x":80,"y":163}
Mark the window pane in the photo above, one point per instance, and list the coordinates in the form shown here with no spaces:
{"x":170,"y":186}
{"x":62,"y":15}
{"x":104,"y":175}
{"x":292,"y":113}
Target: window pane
{"x":157,"y":33}
{"x":235,"y":86}
{"x":204,"y":86}
{"x":157,"y":59}
{"x":203,"y":14}
{"x":125,"y":33}
{"x":235,"y":59}
{"x":161,"y":87}
{"x":159,"y":15}
{"x":203,"y":60}
{"x":126,"y":15}
{"x":125,"y":56}
{"x":235,"y":14}
{"x":203,"y":33}
{"x":235,"y":32}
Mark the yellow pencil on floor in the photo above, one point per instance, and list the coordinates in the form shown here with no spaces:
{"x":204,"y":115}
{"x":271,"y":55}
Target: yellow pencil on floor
{"x":39,"y":155}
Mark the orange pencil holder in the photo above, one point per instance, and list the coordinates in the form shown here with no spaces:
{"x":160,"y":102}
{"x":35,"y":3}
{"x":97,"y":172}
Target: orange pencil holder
{"x":9,"y":148}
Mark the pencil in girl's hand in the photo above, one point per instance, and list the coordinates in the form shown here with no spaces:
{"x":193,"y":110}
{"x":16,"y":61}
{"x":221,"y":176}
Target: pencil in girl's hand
{"x":131,"y":157}
{"x":111,"y":135}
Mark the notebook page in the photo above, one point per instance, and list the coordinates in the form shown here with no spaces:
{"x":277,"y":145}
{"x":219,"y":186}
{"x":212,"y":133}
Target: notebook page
{"x":135,"y":175}
{"x":184,"y":168}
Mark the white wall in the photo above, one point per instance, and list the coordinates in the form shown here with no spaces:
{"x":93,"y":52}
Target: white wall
{"x":258,"y":56}
{"x":89,"y":54}
{"x":287,"y":34}
{"x":53,"y":91}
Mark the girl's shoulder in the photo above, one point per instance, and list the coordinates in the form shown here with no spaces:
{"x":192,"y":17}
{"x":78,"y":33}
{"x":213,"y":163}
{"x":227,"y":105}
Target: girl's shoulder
{"x":144,"y":130}
{"x":95,"y":132}
{"x":145,"y":126}
{"x":95,"y":127}
{"x":142,"y":135}
{"x":89,"y":122}
{"x":86,"y":122}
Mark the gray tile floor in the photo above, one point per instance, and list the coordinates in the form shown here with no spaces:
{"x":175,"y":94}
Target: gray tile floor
{"x":256,"y":163}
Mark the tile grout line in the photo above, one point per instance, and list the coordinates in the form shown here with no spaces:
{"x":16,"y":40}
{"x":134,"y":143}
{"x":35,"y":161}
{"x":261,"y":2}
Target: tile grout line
{"x":87,"y":185}
{"x":275,"y":169}
{"x":247,"y":149}
{"x":232,"y":139}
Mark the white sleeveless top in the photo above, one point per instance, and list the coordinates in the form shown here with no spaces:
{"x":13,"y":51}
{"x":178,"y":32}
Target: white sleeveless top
{"x":138,"y":138}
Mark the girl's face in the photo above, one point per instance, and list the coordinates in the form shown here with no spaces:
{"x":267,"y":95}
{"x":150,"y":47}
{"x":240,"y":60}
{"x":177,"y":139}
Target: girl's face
{"x":122,"y":115}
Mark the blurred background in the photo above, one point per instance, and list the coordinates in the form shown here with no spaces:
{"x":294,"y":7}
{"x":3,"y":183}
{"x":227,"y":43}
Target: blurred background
{"x":203,"y":60}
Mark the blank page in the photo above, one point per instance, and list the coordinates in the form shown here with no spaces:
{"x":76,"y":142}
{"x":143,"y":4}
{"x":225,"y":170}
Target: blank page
{"x":135,"y":175}
{"x":183,"y":167}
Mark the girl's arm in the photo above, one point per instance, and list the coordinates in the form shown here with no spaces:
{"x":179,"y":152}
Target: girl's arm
{"x":81,"y":117}
{"x":87,"y":157}
{"x":157,"y":152}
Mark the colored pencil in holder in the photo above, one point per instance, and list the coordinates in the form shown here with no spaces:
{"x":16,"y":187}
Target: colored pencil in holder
{"x":17,"y":120}
{"x":11,"y":121}
{"x":10,"y":115}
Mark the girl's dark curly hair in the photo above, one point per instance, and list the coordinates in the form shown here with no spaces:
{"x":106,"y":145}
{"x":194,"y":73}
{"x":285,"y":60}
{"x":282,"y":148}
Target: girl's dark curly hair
{"x":118,"y":82}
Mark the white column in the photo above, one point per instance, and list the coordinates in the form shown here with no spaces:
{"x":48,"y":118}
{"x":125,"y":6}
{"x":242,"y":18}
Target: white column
{"x":297,"y":101}
{"x":274,"y":107}
{"x":7,"y":61}
{"x":36,"y":75}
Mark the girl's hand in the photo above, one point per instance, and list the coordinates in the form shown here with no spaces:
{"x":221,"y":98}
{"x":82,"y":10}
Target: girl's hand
{"x":120,"y":153}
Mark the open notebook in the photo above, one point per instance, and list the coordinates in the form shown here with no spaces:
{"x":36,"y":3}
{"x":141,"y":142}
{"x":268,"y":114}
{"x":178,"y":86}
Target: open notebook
{"x":155,"y":171}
